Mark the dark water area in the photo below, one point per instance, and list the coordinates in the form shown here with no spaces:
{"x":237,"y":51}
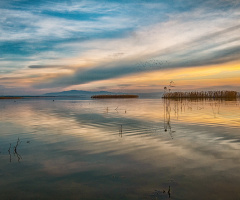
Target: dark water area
{"x":119,"y":149}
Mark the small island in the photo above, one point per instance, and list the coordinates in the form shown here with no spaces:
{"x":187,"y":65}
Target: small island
{"x":108,"y":96}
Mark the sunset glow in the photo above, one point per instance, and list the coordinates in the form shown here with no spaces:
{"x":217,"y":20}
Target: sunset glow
{"x":136,"y":46}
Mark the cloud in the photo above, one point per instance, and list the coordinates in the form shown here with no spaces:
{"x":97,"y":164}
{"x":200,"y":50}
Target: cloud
{"x":222,"y":87}
{"x":204,"y":46}
{"x":124,"y":85}
{"x":81,"y":6}
{"x":103,"y":41}
{"x":25,"y":25}
{"x":45,"y":66}
{"x":119,"y":70}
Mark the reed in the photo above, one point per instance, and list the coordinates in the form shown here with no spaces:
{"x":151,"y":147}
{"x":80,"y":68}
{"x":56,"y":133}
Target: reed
{"x":202,"y":95}
{"x":11,"y":97}
{"x":115,"y":96}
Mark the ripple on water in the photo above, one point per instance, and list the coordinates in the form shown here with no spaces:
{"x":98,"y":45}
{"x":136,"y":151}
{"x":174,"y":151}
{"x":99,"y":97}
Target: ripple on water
{"x":84,"y":144}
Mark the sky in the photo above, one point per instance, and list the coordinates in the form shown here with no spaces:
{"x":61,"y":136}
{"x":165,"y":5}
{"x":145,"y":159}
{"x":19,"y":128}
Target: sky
{"x":118,"y":45}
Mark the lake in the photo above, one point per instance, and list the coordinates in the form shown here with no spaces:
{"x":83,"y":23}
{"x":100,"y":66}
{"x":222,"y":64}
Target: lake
{"x":119,"y":149}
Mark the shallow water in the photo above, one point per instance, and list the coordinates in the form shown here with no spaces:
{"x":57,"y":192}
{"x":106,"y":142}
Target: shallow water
{"x":119,"y":149}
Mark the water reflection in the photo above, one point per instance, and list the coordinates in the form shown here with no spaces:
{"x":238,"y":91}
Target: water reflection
{"x":120,"y":131}
{"x":167,"y":117}
{"x":10,"y":155}
{"x":120,"y":149}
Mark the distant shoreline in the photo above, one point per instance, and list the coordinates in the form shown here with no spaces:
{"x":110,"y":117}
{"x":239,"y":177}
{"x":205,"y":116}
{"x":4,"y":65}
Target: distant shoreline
{"x":114,"y":96}
{"x":11,"y":97}
{"x":94,"y":96}
{"x":25,"y":97}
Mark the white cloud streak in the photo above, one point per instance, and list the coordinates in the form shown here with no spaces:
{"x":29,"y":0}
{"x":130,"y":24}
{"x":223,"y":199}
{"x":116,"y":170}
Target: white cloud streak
{"x":180,"y":41}
{"x":24,"y":25}
{"x":191,"y":38}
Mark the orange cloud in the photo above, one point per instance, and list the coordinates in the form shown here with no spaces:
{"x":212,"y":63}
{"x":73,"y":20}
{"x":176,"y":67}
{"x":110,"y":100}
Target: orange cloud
{"x":189,"y":78}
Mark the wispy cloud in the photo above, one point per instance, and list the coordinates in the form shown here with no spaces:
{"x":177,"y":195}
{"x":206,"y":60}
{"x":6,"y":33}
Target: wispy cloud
{"x":61,"y":44}
{"x":23,"y":25}
{"x":45,"y":66}
{"x":82,"y":6}
{"x":182,"y":45}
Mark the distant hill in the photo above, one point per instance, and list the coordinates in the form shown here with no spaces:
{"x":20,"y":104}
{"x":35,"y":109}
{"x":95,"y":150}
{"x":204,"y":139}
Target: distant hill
{"x":77,"y":93}
{"x":87,"y":94}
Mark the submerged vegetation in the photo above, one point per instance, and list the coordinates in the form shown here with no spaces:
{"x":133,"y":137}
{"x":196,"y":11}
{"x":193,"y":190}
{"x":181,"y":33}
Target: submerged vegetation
{"x":115,"y":96}
{"x":202,"y":95}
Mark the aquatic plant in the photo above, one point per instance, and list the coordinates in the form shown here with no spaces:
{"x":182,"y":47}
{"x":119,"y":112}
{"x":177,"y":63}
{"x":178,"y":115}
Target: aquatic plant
{"x":202,"y":94}
{"x":16,"y":152}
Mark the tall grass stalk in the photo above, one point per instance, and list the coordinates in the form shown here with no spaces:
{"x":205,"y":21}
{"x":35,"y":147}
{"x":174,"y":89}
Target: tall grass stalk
{"x":202,"y":95}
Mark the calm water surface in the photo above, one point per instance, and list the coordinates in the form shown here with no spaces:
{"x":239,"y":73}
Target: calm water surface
{"x":119,"y":149}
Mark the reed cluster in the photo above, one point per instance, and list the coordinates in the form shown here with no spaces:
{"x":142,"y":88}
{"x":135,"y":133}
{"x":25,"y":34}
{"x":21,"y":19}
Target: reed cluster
{"x":202,"y":94}
{"x":115,"y":96}
{"x":10,"y":97}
